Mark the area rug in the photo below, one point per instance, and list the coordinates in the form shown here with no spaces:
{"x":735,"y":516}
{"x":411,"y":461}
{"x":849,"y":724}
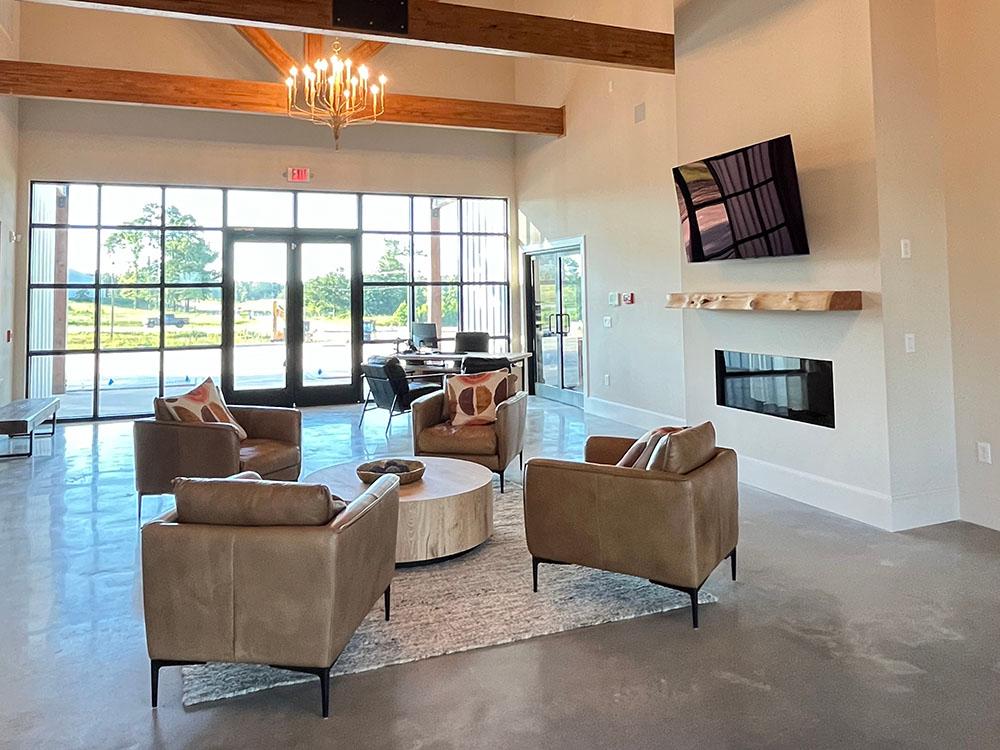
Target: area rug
{"x":480,"y":599}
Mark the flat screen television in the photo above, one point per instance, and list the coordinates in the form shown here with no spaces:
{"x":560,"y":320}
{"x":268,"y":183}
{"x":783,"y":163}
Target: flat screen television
{"x":744,"y":204}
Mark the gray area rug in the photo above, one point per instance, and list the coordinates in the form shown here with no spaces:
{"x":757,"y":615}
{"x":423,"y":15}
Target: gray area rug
{"x":480,"y":599}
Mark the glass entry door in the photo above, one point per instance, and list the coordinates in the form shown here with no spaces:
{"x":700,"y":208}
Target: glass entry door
{"x":555,"y":304}
{"x":292,"y":333}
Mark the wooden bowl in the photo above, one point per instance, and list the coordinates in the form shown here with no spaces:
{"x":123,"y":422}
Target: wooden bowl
{"x":408,"y":470}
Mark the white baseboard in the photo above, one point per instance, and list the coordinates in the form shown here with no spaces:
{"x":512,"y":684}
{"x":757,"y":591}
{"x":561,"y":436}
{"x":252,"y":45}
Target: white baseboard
{"x":925,"y":508}
{"x":878,"y":509}
{"x":630,"y":415}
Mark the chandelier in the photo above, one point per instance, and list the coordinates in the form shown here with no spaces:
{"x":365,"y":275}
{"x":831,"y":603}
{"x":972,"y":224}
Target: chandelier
{"x":335,"y":93}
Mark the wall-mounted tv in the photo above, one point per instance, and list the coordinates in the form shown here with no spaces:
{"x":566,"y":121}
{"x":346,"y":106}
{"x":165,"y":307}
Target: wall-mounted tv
{"x":744,"y":204}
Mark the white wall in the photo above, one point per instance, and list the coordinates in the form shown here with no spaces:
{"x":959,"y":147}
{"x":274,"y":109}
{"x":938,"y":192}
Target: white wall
{"x":9,"y":12}
{"x":106,"y":142}
{"x":911,"y":203}
{"x":970,"y":82}
{"x":609,"y":180}
{"x":748,"y":72}
{"x":833,"y":73}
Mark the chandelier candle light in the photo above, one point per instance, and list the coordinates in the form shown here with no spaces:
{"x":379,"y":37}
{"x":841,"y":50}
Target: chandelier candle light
{"x":335,"y":93}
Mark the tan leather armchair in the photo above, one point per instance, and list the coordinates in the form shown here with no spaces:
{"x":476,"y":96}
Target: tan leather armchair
{"x":166,"y":449}
{"x":672,"y":529}
{"x":494,"y":446}
{"x":265,"y":573}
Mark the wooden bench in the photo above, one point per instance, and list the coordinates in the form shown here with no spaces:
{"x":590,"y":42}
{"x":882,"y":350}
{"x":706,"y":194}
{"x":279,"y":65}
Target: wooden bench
{"x":20,"y":419}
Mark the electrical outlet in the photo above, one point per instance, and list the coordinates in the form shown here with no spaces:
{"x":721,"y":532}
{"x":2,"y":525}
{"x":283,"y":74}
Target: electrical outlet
{"x":985,"y":453}
{"x":906,"y":249}
{"x":608,"y":322}
{"x":910,"y":340}
{"x":607,"y":379}
{"x":640,"y":113}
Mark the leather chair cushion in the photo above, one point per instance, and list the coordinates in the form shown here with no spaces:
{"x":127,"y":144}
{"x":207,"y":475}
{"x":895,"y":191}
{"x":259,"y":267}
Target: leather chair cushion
{"x":684,"y":451}
{"x":244,"y":500}
{"x":471,"y":440}
{"x":267,"y":456}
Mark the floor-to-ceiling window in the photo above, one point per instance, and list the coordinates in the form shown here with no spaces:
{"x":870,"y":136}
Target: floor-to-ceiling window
{"x":434,"y":260}
{"x":125,"y":294}
{"x":126,"y":283}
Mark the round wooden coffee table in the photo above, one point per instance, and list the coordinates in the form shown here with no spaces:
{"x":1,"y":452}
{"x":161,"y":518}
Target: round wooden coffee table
{"x":448,"y":512}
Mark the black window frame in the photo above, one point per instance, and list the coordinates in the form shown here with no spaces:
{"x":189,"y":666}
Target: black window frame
{"x":162,"y":287}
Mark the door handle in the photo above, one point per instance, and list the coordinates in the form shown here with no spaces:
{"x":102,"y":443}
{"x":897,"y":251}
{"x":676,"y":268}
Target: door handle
{"x":551,"y":318}
{"x":569,"y":322}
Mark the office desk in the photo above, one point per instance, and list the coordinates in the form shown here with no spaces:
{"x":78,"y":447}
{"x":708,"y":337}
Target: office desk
{"x":448,"y":363}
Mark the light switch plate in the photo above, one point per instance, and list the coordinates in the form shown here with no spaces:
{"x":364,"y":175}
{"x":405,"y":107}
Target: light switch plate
{"x":607,"y":321}
{"x":984,"y":451}
{"x":614,"y":299}
{"x":910,"y":341}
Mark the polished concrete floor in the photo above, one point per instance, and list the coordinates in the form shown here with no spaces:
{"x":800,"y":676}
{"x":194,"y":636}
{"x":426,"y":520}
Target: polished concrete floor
{"x":837,"y":635}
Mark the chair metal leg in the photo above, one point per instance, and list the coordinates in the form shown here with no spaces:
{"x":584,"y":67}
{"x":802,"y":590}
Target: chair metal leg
{"x":324,"y":689}
{"x":154,"y":681}
{"x":732,"y":558}
{"x":392,"y":413}
{"x":139,"y":516}
{"x":693,"y":593}
{"x":534,"y":574}
{"x":502,"y":483}
{"x":387,"y":601}
{"x":155,"y":665}
{"x":521,"y":457}
{"x":364,"y":410}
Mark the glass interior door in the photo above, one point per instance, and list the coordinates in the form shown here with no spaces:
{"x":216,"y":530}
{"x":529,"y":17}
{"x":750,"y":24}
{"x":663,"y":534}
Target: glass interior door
{"x":259,"y":341}
{"x":547,"y":340}
{"x":571,"y":328}
{"x":558,"y":319}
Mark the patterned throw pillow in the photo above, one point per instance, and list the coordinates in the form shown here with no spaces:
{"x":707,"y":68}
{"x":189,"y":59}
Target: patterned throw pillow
{"x":203,"y":404}
{"x":473,"y":399}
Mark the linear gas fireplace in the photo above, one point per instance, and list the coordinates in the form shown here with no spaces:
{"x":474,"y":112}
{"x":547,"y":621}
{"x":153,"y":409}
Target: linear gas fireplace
{"x":786,"y":387}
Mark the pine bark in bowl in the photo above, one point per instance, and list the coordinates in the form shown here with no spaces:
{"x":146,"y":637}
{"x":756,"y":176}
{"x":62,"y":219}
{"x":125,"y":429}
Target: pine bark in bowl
{"x":408,"y":470}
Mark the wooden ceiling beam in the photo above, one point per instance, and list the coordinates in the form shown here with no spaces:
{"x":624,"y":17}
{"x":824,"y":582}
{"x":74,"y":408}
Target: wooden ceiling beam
{"x":433,"y":23}
{"x":48,"y":81}
{"x":269,"y":47}
{"x":313,"y":48}
{"x":363,"y":52}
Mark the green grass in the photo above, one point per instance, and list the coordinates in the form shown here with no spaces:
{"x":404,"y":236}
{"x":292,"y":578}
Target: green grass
{"x":202,"y":328}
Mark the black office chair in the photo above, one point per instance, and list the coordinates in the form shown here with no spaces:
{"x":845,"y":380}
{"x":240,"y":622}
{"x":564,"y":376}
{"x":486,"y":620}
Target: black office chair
{"x":391,"y":388}
{"x":471,"y":342}
{"x":476,"y":365}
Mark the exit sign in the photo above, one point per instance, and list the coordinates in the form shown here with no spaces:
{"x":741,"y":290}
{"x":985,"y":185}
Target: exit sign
{"x":298,"y":174}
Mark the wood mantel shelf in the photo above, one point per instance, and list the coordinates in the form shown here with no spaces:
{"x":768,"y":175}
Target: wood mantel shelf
{"x":831,"y":301}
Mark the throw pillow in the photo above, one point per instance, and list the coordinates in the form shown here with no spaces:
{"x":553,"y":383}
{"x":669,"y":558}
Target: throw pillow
{"x":641,"y":452}
{"x":473,"y":399}
{"x":688,"y":449}
{"x":203,"y":404}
